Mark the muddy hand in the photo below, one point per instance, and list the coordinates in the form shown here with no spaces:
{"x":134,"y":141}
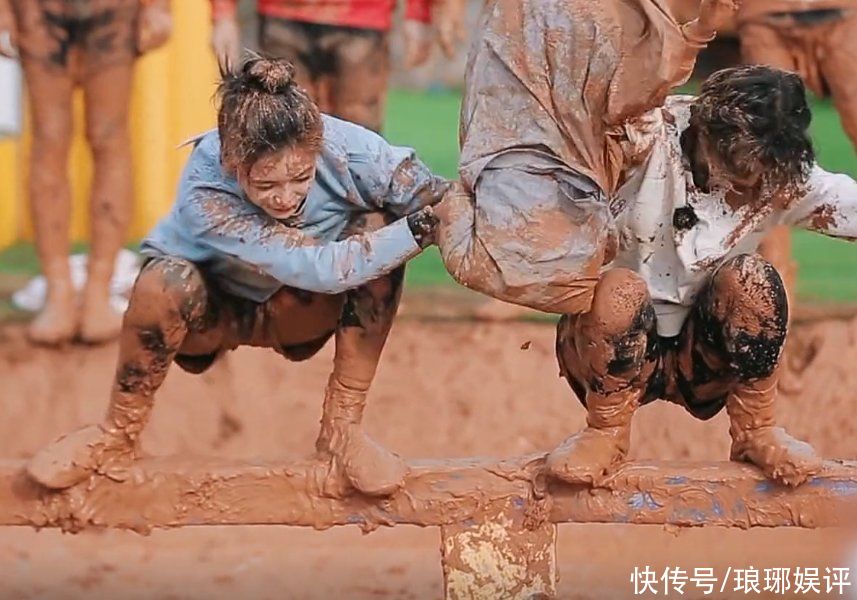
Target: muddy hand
{"x":418,"y":40}
{"x":714,"y":15}
{"x":74,"y":457}
{"x":449,"y":16}
{"x":358,"y":461}
{"x":154,"y":27}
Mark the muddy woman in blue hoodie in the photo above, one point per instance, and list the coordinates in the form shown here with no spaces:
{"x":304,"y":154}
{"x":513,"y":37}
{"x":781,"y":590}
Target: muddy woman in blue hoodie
{"x":289,"y":228}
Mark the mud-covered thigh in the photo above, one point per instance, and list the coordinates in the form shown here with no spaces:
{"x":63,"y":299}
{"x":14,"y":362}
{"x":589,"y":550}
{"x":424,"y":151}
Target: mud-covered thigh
{"x":295,"y":323}
{"x":733,"y":335}
{"x":79,"y":37}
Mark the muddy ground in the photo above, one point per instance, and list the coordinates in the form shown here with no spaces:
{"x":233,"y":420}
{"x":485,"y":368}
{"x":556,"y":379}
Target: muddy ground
{"x":445,"y":389}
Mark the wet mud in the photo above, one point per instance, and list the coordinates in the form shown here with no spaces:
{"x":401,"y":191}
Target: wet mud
{"x":431,"y":399}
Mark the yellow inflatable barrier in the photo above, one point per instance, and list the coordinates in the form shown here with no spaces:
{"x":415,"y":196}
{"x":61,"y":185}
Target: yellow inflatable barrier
{"x":173,"y":91}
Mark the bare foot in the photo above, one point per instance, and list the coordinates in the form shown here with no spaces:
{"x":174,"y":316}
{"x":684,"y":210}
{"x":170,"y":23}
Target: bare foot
{"x":75,"y":456}
{"x":780,"y":456}
{"x":99,"y":323}
{"x":496,"y":311}
{"x":364,"y":464}
{"x":57,"y":322}
{"x":589,"y":455}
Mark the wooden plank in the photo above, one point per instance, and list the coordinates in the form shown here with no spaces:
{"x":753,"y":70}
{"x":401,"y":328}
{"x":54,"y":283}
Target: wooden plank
{"x":174,"y":492}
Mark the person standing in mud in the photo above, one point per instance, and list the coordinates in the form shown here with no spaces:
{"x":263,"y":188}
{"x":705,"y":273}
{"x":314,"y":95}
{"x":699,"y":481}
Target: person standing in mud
{"x":636,"y":216}
{"x":62,"y":44}
{"x":340,"y":48}
{"x":290,"y":227}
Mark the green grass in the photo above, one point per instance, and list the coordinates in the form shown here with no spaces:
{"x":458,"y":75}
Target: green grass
{"x":827,"y":266}
{"x":428,"y":121}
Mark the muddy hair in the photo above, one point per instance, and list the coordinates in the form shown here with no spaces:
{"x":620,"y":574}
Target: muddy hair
{"x":262,"y":109}
{"x":758,"y":116}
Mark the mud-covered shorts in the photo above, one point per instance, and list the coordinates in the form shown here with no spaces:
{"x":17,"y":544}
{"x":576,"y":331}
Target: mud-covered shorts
{"x":228,"y":321}
{"x":733,"y":334}
{"x":346,"y":69}
{"x":87,"y":35}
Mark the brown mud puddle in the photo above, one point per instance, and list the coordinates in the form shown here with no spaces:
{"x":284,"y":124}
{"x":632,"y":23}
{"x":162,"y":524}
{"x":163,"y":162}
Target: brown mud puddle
{"x":444,"y":389}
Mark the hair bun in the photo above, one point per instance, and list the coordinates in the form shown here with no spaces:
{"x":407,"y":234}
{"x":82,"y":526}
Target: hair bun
{"x":274,"y":76}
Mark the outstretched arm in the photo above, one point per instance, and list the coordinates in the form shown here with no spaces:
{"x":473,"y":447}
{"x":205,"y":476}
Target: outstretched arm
{"x":829,"y":205}
{"x":293,"y":258}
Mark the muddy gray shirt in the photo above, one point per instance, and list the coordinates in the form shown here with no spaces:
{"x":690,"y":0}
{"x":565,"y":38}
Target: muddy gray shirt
{"x":252,"y":255}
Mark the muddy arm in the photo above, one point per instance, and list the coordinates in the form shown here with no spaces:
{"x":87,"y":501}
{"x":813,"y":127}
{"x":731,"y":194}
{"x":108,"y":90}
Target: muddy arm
{"x":714,"y":15}
{"x":293,"y":258}
{"x":392,"y":178}
{"x":829,"y":206}
{"x":668,"y":63}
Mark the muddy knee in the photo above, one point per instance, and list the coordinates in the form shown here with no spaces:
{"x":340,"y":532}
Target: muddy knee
{"x":108,"y":140}
{"x":169,"y":290}
{"x":745,"y":313}
{"x":616,"y":337}
{"x":373,"y":306}
{"x":621,"y":304}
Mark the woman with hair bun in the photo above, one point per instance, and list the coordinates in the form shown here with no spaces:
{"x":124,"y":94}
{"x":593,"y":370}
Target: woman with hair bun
{"x":290,"y":227}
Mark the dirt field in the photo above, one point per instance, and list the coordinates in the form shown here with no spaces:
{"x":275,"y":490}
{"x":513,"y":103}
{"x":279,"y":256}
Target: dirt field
{"x":444,"y":389}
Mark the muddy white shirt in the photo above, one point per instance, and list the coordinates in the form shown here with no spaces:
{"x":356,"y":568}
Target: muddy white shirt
{"x":675,"y":235}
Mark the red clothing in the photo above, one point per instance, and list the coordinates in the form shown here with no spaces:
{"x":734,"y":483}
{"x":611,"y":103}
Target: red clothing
{"x":366,"y":14}
{"x":750,"y":10}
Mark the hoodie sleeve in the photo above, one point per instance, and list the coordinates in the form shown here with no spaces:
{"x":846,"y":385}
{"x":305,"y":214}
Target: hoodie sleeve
{"x":226,"y":226}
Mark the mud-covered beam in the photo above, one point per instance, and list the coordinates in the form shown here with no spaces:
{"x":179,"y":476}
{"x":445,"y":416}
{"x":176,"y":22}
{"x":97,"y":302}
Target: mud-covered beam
{"x":182,"y":492}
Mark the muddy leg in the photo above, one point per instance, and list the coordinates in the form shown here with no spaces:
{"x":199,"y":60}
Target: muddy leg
{"x":743,"y":315}
{"x":608,"y":356}
{"x":360,"y":337}
{"x":289,"y":40}
{"x":107,"y":98}
{"x":359,"y":88}
{"x":838,"y":69}
{"x":50,"y":92}
{"x":168,"y":300}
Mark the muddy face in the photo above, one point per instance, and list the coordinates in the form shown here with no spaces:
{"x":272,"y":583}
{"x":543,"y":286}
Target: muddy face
{"x":278,"y":182}
{"x":737,"y":173}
